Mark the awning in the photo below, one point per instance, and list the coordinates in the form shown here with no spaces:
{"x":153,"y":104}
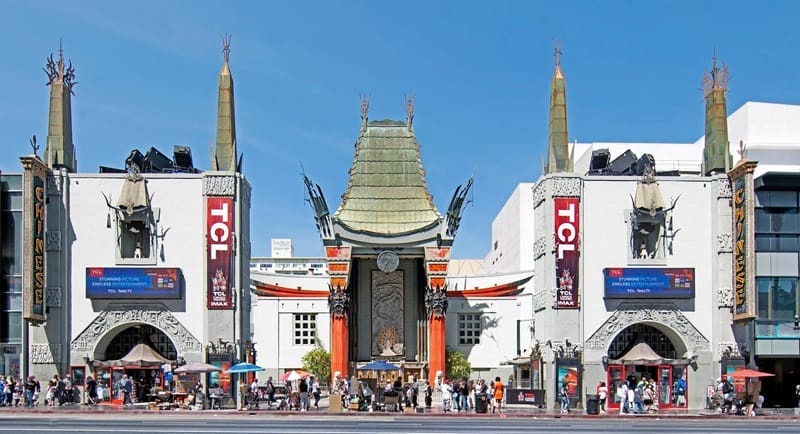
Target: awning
{"x":642,"y":354}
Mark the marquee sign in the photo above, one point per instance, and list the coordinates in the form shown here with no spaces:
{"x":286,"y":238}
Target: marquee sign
{"x":219,"y":242}
{"x":33,"y":251}
{"x":744,"y":292}
{"x":567,"y":230}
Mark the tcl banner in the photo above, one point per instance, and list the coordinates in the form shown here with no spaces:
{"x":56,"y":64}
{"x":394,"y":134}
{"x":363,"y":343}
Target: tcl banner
{"x":567,"y":228}
{"x":219,"y":239}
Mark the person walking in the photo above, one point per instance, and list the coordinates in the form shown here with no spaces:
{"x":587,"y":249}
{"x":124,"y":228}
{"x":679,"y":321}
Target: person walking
{"x":602,"y":394}
{"x":91,"y":390}
{"x":127,"y":388}
{"x":622,"y":395}
{"x":564,"y":395}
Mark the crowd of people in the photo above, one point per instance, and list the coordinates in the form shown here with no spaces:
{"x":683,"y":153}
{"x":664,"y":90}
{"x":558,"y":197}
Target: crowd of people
{"x":57,"y":392}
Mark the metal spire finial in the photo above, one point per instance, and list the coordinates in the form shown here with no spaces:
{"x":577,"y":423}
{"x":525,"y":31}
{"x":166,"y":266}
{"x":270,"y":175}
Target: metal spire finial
{"x":34,"y":145}
{"x":226,"y":47}
{"x":557,"y":54}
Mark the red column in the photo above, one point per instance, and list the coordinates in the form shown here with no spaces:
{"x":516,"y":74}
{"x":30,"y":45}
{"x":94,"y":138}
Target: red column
{"x":339,"y":346}
{"x":436,"y":346}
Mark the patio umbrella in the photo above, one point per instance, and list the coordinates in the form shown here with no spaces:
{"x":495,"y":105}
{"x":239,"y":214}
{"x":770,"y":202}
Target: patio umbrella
{"x":750,"y":373}
{"x":294,"y":375}
{"x":379,"y":365}
{"x":747,"y":374}
{"x":197,"y":368}
{"x":244,"y":367}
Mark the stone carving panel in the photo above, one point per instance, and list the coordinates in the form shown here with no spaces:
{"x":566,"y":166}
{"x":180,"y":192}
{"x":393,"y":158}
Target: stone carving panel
{"x":666,"y":314}
{"x":52,"y":241}
{"x":538,"y":194}
{"x":565,"y":187}
{"x":539,"y":247}
{"x":158,"y":317}
{"x":724,"y":243}
{"x":45,"y":354}
{"x":539,"y":300}
{"x":731,"y":349}
{"x":553,"y":298}
{"x":54,"y":183}
{"x":53,"y":297}
{"x":725,"y":297}
{"x":722,"y":186}
{"x":219,"y":186}
{"x":387,"y":312}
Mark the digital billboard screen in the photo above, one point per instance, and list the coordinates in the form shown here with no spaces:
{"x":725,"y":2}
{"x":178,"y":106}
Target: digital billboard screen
{"x":120,"y":283}
{"x":649,"y":282}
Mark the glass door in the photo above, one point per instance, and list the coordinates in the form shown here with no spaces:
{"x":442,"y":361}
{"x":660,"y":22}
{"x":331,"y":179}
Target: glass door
{"x":616,"y":376}
{"x":665,"y":386}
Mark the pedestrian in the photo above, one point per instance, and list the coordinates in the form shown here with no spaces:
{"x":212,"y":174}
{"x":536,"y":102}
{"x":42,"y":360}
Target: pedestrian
{"x":497,"y":401}
{"x":564,"y":395}
{"x":602,"y":394}
{"x":315,"y":392}
{"x":91,"y":390}
{"x":127,"y":388}
{"x":622,"y":395}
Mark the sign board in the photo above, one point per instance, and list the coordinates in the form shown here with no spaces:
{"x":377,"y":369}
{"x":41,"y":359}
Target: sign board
{"x":567,"y":230}
{"x":525,"y":396}
{"x":640,"y":282}
{"x":145,"y":283}
{"x":219,"y":242}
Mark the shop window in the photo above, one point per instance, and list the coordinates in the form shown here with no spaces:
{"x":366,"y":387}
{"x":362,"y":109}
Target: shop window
{"x":305,"y":329}
{"x":469,"y":328}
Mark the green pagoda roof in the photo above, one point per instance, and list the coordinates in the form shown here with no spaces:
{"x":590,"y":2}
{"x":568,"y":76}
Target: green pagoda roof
{"x":387,"y":193}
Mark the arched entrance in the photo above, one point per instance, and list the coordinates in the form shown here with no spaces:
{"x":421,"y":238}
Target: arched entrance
{"x":140,"y":333}
{"x":138,"y":351}
{"x":645,"y":351}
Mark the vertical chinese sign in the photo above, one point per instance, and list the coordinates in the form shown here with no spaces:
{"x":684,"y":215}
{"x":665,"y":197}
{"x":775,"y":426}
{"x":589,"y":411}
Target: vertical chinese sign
{"x":33,"y":245}
{"x":219,"y":242}
{"x":743,"y":238}
{"x":567,"y":228}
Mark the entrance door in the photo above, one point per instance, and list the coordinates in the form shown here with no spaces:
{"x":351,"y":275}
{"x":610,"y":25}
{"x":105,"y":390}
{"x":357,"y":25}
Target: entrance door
{"x":665,"y":392}
{"x":616,"y":376}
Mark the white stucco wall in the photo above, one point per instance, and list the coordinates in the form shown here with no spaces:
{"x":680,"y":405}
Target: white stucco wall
{"x":181,"y":203}
{"x":512,"y":234}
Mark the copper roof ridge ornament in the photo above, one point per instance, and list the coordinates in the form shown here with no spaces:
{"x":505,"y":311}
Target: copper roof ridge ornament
{"x":34,"y":145}
{"x":557,"y":53}
{"x":364,"y":97}
{"x":717,"y":79}
{"x":410,"y":102}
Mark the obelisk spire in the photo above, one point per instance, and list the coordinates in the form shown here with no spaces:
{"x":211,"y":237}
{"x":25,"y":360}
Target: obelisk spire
{"x":60,"y":151}
{"x":558,"y":157}
{"x":716,"y":152}
{"x":225,"y":155}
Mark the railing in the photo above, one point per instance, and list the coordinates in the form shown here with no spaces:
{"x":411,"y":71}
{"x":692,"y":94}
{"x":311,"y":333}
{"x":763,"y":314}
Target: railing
{"x":777,"y":329}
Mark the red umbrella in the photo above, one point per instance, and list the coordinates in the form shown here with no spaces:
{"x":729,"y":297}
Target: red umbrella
{"x":750,"y":373}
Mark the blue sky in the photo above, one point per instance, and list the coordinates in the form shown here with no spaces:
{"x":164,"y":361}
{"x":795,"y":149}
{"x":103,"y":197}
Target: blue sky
{"x":480,"y":73}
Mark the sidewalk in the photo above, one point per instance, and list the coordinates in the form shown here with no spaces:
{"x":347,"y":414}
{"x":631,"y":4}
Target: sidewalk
{"x":520,"y":411}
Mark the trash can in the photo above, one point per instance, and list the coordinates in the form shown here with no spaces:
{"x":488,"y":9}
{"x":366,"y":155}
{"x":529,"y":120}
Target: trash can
{"x":592,"y":404}
{"x":481,"y":403}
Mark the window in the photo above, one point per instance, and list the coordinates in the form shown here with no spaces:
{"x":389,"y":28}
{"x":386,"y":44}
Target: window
{"x":305,"y":329}
{"x":469,"y":328}
{"x":777,"y":298}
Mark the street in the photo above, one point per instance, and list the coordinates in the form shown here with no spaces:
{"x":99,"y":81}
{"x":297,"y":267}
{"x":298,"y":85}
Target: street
{"x":174,"y":422}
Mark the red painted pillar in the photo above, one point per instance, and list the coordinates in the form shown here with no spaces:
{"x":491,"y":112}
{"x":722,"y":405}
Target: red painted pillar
{"x":339,"y":346}
{"x":437,"y":344}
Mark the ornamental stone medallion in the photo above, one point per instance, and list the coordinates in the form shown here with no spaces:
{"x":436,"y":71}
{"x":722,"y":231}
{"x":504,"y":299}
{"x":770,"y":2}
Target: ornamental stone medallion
{"x":158,"y":317}
{"x":663,"y":314}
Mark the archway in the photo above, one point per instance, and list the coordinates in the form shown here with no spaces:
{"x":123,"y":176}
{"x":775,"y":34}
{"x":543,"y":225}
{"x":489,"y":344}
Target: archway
{"x":649,"y":352}
{"x":136,"y":334}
